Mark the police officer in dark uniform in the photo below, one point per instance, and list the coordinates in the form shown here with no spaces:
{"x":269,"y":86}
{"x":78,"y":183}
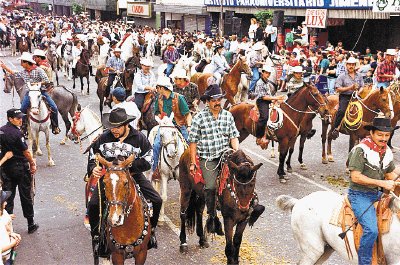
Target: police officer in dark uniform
{"x":18,"y":170}
{"x":122,"y":140}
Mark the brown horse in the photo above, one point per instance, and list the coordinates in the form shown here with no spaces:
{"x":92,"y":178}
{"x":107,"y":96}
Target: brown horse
{"x":230,"y":81}
{"x":237,"y":193}
{"x":376,"y":101}
{"x":395,"y":97}
{"x":301,"y":102}
{"x":131,"y":67}
{"x":82,"y":69}
{"x":147,"y":120}
{"x":23,"y":45}
{"x":127,"y":216}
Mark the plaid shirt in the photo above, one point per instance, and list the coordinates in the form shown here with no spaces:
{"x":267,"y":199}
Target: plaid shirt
{"x":171,"y":56}
{"x":254,"y":58}
{"x":263,"y":88}
{"x":117,"y":63}
{"x":190,"y":93}
{"x":385,"y":68}
{"x":212,"y":135}
{"x":36,"y":75}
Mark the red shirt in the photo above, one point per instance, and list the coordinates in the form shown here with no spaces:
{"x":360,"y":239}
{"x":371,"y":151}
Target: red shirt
{"x":385,"y":68}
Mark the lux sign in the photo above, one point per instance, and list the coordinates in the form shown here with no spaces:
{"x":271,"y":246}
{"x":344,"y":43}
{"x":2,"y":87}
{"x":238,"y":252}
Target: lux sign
{"x":139,"y":9}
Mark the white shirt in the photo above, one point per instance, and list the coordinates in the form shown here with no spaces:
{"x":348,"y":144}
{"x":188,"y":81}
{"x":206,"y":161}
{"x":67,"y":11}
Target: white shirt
{"x":304,"y":30}
{"x":234,"y":46}
{"x":165,"y":38}
{"x":132,"y":110}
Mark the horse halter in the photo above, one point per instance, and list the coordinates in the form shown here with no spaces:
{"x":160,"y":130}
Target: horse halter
{"x":232,"y":188}
{"x":75,"y":120}
{"x":173,"y":141}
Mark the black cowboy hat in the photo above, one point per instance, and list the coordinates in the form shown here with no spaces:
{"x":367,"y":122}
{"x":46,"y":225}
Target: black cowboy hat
{"x":380,"y":124}
{"x":212,"y":92}
{"x":117,"y":117}
{"x":218,"y":47}
{"x":4,"y":195}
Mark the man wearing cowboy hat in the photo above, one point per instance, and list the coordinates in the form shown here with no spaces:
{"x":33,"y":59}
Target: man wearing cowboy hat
{"x":145,"y":82}
{"x":199,"y":46}
{"x":220,"y":64}
{"x":264,"y":89}
{"x":122,"y":140}
{"x":33,"y":74}
{"x":39,"y":56}
{"x":171,"y":58}
{"x":296,"y":81}
{"x":256,"y":62}
{"x":115,"y":65}
{"x":371,"y":170}
{"x":189,"y":90}
{"x":346,"y":84}
{"x":386,"y":71}
{"x":165,"y":39}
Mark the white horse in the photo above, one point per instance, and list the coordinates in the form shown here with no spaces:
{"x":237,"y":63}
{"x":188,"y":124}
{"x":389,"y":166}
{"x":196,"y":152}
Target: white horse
{"x":39,"y":121}
{"x":150,"y":49}
{"x":67,"y":60}
{"x":318,"y":239}
{"x":86,"y":121}
{"x":172,"y":147}
{"x":103,"y":54}
{"x":127,"y":47}
{"x":183,"y":63}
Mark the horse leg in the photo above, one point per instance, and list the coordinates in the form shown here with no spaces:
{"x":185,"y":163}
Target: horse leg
{"x":329,"y":151}
{"x":272,"y":149}
{"x":237,"y":240}
{"x":81,"y":79}
{"x":67,"y":126}
{"x":185,"y":204}
{"x":200,"y":204}
{"x":140,"y":258}
{"x":51,"y":161}
{"x":229,"y":250}
{"x":323,"y":140}
{"x":164,"y":196}
{"x":283,"y":149}
{"x":288,"y":165}
{"x":56,"y":71}
{"x":74,"y":82}
{"x":303,"y":138}
{"x":117,"y":258}
{"x":88,"y":82}
{"x":36,"y":143}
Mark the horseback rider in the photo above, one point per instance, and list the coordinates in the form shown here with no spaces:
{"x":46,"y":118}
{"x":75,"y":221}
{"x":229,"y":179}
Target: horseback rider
{"x":265,"y":95}
{"x":295,"y":81}
{"x":34,"y":74}
{"x":171,"y":58}
{"x":189,"y":90}
{"x":386,"y":71}
{"x":122,"y":140}
{"x":166,"y":103}
{"x":256,"y":62}
{"x":165,"y":39}
{"x":115,"y":65}
{"x":118,"y":98}
{"x":76,"y":54}
{"x":371,"y":169}
{"x":346,"y":84}
{"x":213,"y":131}
{"x":39,"y":56}
{"x":64,"y":37}
{"x":221,"y":66}
{"x":198,"y":50}
{"x":145,"y":82}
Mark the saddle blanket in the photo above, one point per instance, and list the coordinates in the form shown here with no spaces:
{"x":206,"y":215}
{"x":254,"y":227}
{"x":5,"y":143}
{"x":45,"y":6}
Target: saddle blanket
{"x":275,"y":120}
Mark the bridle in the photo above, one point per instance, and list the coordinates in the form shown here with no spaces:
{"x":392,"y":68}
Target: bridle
{"x":308,"y":112}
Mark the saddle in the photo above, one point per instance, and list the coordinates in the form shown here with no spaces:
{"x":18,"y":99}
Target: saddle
{"x":346,"y":218}
{"x":147,"y":102}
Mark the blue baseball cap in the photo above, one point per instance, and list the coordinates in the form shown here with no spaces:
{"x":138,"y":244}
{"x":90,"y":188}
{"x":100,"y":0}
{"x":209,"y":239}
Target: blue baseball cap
{"x":119,"y":93}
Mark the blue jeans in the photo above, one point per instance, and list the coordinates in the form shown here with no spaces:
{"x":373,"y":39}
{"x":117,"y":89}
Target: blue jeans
{"x":157,"y":145}
{"x":331,"y":85}
{"x":170,"y":66}
{"x":382,"y":84}
{"x":360,"y":201}
{"x":254,"y":79}
{"x":26,"y":104}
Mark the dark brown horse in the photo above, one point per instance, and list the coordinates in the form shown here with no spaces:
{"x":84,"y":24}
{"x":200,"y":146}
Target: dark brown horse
{"x":82,"y":69}
{"x":377,"y":101}
{"x":23,"y":45}
{"x":131,"y":67}
{"x":230,"y":81}
{"x":301,"y":102}
{"x":147,"y":121}
{"x":237,"y":193}
{"x":126,"y":214}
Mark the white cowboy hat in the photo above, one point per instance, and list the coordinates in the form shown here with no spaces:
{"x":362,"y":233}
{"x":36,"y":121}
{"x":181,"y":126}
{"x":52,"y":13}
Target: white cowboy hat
{"x":146,"y":62}
{"x":164,"y":82}
{"x":201,"y":36}
{"x":297,"y":69}
{"x":267,"y":68}
{"x":167,"y":29}
{"x":258,"y":46}
{"x":209,"y":40}
{"x":391,"y":52}
{"x":39,"y":52}
{"x":117,"y":50}
{"x":26,"y":56}
{"x":181,"y":73}
{"x":351,"y":60}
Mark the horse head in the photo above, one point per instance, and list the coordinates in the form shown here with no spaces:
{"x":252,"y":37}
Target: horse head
{"x":9,"y":83}
{"x":378,"y":101}
{"x":168,"y":135}
{"x":316,"y":101}
{"x":118,"y":185}
{"x":185,"y":61}
{"x":244,"y":66}
{"x":35,"y":98}
{"x":243,"y":174}
{"x":78,"y":125}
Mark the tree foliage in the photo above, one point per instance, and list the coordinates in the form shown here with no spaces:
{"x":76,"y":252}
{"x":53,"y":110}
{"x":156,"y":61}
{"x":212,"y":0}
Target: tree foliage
{"x":77,"y":8}
{"x":263,"y":15}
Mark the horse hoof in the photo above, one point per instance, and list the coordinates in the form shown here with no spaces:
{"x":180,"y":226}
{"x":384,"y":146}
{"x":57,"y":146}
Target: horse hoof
{"x":289,"y":169}
{"x":347,"y":171}
{"x":324,"y":161}
{"x":282,"y":180}
{"x":330,"y":159}
{"x":183,"y":248}
{"x":39,"y":153}
{"x":285,"y":177}
{"x":62,"y":142}
{"x":51,"y":163}
{"x":204,"y":244}
{"x":303,"y":166}
{"x":273,"y":155}
{"x":161,"y":219}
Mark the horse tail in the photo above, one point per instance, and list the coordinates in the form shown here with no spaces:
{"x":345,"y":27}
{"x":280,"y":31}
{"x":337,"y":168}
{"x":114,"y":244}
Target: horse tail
{"x":191,"y":212}
{"x":286,"y":202}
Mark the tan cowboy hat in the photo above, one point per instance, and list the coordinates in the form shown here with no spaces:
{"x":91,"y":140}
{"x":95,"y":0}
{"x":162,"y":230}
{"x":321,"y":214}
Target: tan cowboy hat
{"x":26,"y":56}
{"x":391,"y":52}
{"x":164,"y":82}
{"x":39,"y":52}
{"x":351,"y":60}
{"x":267,"y":68}
{"x":181,"y":73}
{"x":297,"y":69}
{"x":146,"y":62}
{"x":209,"y":40}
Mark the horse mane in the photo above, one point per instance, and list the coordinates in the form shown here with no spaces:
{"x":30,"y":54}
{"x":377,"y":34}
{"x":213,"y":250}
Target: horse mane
{"x":93,"y":113}
{"x":371,"y":94}
{"x":239,"y":157}
{"x":292,"y":96}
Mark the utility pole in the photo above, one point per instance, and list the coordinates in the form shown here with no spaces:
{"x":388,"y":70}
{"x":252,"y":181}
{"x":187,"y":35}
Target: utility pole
{"x":221,"y":20}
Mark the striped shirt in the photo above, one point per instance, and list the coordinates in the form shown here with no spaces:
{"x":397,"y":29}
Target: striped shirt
{"x":117,"y":63}
{"x":142,"y":80}
{"x":212,"y":135}
{"x":263,"y":88}
{"x":171,"y":56}
{"x":36,"y":75}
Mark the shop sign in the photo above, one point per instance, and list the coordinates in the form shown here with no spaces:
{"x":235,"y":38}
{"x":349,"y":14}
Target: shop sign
{"x":138,"y":9}
{"x":386,"y":6}
{"x":298,"y":4}
{"x":316,"y":18}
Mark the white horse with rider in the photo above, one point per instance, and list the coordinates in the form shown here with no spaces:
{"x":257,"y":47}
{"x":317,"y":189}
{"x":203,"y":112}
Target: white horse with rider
{"x":184,"y":63}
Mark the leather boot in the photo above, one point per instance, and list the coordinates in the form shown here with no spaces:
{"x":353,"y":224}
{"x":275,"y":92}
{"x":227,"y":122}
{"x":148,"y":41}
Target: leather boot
{"x":91,"y":70}
{"x":153,"y":240}
{"x":213,"y":225}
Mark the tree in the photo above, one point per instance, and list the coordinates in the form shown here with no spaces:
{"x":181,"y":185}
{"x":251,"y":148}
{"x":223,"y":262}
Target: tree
{"x":77,"y":8}
{"x":262,"y":16}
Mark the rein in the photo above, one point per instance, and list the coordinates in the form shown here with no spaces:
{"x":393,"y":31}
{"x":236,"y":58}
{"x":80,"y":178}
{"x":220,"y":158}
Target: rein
{"x":363,"y":104}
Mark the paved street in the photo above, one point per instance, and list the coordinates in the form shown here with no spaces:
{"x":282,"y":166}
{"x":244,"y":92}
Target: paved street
{"x":60,"y":208}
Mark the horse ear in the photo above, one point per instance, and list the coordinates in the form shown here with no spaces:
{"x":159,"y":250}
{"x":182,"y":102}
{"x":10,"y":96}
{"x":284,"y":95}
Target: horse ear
{"x":256,"y":167}
{"x":128,"y":161}
{"x":79,"y":107}
{"x":103,"y":161}
{"x":232,"y":166}
{"x":381,"y":89}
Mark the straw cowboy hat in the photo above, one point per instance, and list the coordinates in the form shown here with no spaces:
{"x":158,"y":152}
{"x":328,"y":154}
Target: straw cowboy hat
{"x":351,"y":60}
{"x":258,"y":46}
{"x":146,"y":62}
{"x":26,"y":56}
{"x":117,"y":50}
{"x":164,"y":82}
{"x":117,"y":117}
{"x":209,"y":40}
{"x":297,"y":69}
{"x":267,"y":68}
{"x":39,"y":52}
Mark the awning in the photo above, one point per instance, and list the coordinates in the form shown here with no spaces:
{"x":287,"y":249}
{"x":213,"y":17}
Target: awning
{"x":332,"y":13}
{"x":178,"y":9}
